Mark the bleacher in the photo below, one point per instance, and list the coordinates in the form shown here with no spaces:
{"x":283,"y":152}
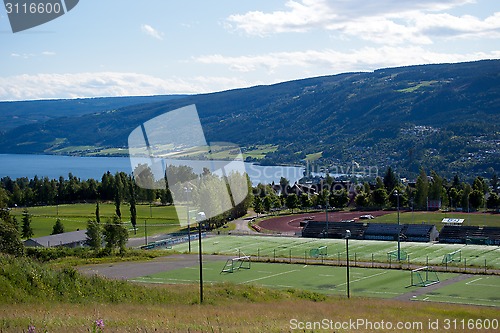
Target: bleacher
{"x":420,"y":233}
{"x":383,"y":231}
{"x":470,"y":235}
{"x":315,"y":229}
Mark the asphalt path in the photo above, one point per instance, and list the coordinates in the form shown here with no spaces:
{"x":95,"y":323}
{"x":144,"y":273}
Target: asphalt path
{"x":131,"y":270}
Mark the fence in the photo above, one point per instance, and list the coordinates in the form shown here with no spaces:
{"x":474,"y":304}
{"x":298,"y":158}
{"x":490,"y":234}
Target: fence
{"x":277,"y":255}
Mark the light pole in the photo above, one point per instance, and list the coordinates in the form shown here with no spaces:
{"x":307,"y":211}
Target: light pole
{"x":397,"y":194}
{"x":188,"y":190}
{"x":201,"y":217}
{"x":347,"y":236}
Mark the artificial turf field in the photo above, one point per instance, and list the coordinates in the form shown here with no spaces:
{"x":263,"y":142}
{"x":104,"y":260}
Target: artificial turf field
{"x":364,"y":282}
{"x":473,"y":256}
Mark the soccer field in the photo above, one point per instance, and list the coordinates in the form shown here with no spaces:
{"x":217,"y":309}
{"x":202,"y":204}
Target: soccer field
{"x":475,"y":256}
{"x":364,"y":282}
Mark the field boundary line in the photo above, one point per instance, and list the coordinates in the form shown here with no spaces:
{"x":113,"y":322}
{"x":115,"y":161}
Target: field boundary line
{"x":269,"y":276}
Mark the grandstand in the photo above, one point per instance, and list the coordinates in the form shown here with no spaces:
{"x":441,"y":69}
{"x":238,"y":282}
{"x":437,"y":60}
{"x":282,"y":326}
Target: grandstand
{"x":420,"y":233}
{"x":470,"y":235}
{"x":383,"y":231}
{"x":314,"y":229}
{"x":371,"y":231}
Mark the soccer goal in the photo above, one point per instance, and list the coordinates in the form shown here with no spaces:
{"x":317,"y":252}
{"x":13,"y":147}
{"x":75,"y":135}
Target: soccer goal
{"x":321,"y":251}
{"x":393,"y":255}
{"x":237,"y":263}
{"x":455,"y":256}
{"x":424,"y":276}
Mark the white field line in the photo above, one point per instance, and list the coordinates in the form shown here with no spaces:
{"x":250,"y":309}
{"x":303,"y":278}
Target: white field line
{"x":446,"y":297}
{"x":472,"y":283}
{"x":269,"y":276}
{"x":363,"y":278}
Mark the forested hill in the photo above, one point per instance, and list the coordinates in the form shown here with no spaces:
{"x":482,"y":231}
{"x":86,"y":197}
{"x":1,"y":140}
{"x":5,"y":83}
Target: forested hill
{"x":443,"y":117}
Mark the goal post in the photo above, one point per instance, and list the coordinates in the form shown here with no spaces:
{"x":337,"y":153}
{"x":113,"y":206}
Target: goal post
{"x":455,"y":256}
{"x":393,"y":255}
{"x":321,"y":251}
{"x":424,"y":277}
{"x":235,"y":264}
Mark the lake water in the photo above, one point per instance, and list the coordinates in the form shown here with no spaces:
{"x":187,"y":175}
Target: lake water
{"x":54,"y":166}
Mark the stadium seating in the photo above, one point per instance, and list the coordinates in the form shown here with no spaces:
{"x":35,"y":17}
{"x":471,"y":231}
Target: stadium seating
{"x":371,"y":231}
{"x":470,"y":235}
{"x":418,"y":232}
{"x":383,"y":231}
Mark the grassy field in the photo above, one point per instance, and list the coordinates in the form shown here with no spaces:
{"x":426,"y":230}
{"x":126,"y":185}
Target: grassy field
{"x":158,"y":218}
{"x":359,"y":250}
{"x":364,"y":282}
{"x":479,"y":219}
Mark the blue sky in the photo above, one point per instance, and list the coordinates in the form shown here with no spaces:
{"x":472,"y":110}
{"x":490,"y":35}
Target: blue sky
{"x":124,"y":47}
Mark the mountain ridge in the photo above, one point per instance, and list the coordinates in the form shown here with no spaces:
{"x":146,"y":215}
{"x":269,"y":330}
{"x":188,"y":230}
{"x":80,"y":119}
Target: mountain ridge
{"x":408,"y":117}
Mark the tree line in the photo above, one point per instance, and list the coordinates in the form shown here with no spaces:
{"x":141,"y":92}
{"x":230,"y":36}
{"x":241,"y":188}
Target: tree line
{"x":386,"y":192}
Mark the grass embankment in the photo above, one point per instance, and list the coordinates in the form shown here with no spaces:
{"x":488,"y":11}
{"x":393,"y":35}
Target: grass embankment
{"x":62,"y":300}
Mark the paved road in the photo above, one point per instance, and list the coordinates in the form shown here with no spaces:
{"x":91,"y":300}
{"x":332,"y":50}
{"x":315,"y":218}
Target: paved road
{"x":242,"y":226}
{"x":131,"y":270}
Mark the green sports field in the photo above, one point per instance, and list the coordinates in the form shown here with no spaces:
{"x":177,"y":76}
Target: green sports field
{"x":159,"y":219}
{"x":477,"y":290}
{"x":474,"y":256}
{"x":364,"y":282}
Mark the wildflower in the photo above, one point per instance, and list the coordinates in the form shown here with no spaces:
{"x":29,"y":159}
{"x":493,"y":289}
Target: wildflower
{"x":31,"y":329}
{"x":99,"y":324}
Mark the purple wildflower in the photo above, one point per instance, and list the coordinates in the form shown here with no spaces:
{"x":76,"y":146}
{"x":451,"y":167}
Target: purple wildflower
{"x":31,"y":329}
{"x":99,"y":323}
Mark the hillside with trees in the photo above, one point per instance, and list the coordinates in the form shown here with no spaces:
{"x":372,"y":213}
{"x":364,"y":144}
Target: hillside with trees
{"x":441,"y":117}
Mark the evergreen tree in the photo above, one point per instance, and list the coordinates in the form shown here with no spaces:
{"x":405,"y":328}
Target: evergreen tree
{"x":339,"y":199}
{"x":268,"y":203}
{"x":58,"y":227}
{"x":292,"y":201}
{"x":493,"y":201}
{"x":133,"y":210}
{"x":362,"y":200}
{"x":26,"y":231}
{"x":435,"y":187}
{"x":257,"y":205}
{"x":476,"y":199}
{"x":390,"y":180}
{"x":495,"y":183}
{"x":305,"y":201}
{"x":94,"y":236}
{"x":118,"y":201}
{"x":115,"y":235}
{"x":379,"y":197}
{"x":97,"y":213}
{"x":421,"y":190}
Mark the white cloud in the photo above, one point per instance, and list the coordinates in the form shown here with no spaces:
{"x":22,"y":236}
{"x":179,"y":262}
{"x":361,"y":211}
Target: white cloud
{"x":333,"y":62}
{"x":150,"y":31}
{"x":50,"y":86}
{"x":386,"y":22}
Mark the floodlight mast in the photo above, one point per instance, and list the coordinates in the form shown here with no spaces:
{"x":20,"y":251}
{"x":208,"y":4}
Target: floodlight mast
{"x":200,"y":218}
{"x":347,"y":236}
{"x":188,"y":191}
{"x":397,"y":194}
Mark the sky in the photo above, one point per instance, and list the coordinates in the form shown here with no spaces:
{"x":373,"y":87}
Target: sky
{"x":156,"y":47}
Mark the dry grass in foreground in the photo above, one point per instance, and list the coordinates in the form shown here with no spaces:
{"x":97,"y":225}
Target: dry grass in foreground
{"x":274,"y":316}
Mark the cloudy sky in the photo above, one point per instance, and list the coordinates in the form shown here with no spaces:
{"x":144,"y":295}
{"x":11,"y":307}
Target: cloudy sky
{"x":125,"y":47}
